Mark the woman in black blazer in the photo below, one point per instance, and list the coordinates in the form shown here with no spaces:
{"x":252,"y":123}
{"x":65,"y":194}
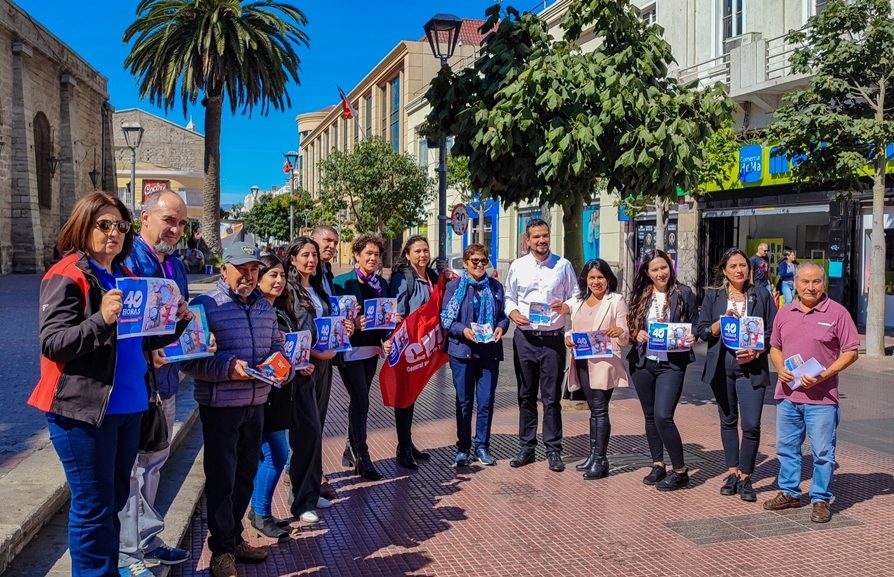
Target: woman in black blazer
{"x":739,"y":378}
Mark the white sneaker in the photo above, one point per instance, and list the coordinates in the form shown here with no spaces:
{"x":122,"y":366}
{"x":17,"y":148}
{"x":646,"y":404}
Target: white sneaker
{"x":309,"y":517}
{"x":324,"y":503}
{"x":137,"y":569}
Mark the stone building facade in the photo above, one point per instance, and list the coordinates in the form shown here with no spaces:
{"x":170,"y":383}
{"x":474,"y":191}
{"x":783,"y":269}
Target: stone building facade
{"x":55,"y":130}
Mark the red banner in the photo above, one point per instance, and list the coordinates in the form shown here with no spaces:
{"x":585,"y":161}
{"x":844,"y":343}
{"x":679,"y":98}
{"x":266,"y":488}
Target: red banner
{"x":418,"y":353}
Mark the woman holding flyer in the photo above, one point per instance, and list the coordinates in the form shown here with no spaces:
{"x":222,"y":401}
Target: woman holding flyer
{"x":733,"y":315}
{"x":475,"y":320}
{"x":412,"y":282}
{"x":661,"y":311}
{"x":360,"y":364}
{"x":95,"y":422}
{"x":311,"y":301}
{"x":597,"y":308}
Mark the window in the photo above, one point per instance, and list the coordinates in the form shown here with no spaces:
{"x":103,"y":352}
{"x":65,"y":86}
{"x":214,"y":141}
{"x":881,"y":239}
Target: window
{"x":649,"y":14}
{"x":368,"y":116}
{"x":422,"y":153}
{"x":43,"y":150}
{"x":733,"y":19}
{"x":820,"y":6}
{"x":395,"y":113}
{"x":383,"y":112}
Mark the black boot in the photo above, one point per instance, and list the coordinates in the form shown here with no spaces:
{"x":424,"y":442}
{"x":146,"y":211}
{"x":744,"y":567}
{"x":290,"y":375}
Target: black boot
{"x":599,"y":468}
{"x":268,"y":527}
{"x":588,"y":462}
{"x":348,"y":458}
{"x":405,"y":458}
{"x":364,"y":467}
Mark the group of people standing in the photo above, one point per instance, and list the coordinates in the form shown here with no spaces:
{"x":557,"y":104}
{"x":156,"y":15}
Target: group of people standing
{"x":94,"y":387}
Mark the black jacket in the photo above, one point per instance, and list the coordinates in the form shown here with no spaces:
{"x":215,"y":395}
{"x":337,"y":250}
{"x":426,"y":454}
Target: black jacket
{"x":681,"y":309}
{"x":758,"y":304}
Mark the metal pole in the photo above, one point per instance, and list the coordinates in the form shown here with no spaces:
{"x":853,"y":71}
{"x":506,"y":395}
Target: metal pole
{"x":442,"y":194}
{"x":292,"y":209}
{"x":133,"y":179}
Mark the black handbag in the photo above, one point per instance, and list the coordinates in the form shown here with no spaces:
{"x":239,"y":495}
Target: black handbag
{"x":154,"y":425}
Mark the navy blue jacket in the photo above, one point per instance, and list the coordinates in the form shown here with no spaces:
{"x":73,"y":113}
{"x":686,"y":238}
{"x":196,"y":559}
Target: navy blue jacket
{"x":457,"y":344}
{"x":143,"y":262}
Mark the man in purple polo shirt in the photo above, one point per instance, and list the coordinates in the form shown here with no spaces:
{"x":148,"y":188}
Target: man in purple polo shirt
{"x":813,"y":327}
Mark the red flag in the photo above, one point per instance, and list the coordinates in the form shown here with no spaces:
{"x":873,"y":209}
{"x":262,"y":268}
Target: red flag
{"x":418,"y":352}
{"x":347,"y":111}
{"x":287,"y":167}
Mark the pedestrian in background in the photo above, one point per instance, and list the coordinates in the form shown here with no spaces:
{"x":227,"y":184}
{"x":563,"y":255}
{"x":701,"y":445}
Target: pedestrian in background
{"x":474,"y":298}
{"x":738,"y":377}
{"x":760,"y":268}
{"x":815,"y":327}
{"x":412,"y":282}
{"x":657,"y":296}
{"x":597,"y":308}
{"x":787,"y":269}
{"x":95,"y":425}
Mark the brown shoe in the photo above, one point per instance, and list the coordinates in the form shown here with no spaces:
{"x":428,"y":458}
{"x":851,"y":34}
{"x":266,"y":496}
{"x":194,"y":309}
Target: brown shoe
{"x":327,"y":491}
{"x":821,"y":512}
{"x":781,"y":501}
{"x":245,"y":552}
{"x":224,"y":565}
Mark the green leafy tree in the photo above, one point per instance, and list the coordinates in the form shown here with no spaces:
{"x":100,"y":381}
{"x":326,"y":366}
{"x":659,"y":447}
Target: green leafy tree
{"x":269,"y":216}
{"x":844,"y":119}
{"x":459,"y":179}
{"x":381,"y":190}
{"x":542,"y":121}
{"x":215,"y":50}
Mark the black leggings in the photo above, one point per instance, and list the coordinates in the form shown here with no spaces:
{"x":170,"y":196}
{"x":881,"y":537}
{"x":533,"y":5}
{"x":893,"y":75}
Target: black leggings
{"x":659,"y":386}
{"x":403,"y":422}
{"x":737,"y":398}
{"x":358,"y":377}
{"x":597,"y":399}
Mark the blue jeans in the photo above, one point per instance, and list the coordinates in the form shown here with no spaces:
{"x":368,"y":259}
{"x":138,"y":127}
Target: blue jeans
{"x":788,"y":291}
{"x":97,"y":463}
{"x":475,"y":380}
{"x":275,"y":450}
{"x":818,"y":422}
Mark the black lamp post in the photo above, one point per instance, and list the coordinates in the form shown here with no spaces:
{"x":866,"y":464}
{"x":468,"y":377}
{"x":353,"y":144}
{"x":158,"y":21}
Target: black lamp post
{"x":442,"y":32}
{"x":133,"y":135}
{"x":292,"y":158}
{"x":94,"y":177}
{"x":53,"y":165}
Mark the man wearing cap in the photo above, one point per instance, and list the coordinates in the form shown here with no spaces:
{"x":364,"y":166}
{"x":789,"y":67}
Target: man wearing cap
{"x":231,"y":402}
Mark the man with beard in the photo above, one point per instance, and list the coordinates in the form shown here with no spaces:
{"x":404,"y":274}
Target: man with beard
{"x":162,"y":220}
{"x":539,"y":349}
{"x":231,"y":402}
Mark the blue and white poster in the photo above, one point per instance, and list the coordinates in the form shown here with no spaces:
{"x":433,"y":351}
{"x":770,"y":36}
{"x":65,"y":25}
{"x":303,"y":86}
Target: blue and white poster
{"x":344,"y":306}
{"x":591,"y":345}
{"x":591,"y":232}
{"x":331,"y":335}
{"x":150,"y":307}
{"x":744,"y":333}
{"x":669,"y":337}
{"x":380,"y":313}
{"x":400,"y":340}
{"x":194,"y":342}
{"x":297,"y":349}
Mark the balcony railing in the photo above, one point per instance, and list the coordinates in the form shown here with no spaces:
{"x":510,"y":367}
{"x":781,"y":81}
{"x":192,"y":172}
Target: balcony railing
{"x":778,"y":57}
{"x":706,"y":73}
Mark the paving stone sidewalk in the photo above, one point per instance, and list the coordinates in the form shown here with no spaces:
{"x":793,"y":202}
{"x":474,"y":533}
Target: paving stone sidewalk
{"x":499,"y":521}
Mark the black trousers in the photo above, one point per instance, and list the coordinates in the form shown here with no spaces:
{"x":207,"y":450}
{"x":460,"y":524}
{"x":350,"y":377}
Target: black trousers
{"x":306,"y":440}
{"x":737,"y":398}
{"x":597,"y":399}
{"x":539,"y":367}
{"x":322,"y":378}
{"x":358,"y":377}
{"x":659,"y":386}
{"x":232,"y":445}
{"x":403,"y":422}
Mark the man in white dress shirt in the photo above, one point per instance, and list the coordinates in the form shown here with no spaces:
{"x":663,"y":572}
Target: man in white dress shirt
{"x":542,"y":278}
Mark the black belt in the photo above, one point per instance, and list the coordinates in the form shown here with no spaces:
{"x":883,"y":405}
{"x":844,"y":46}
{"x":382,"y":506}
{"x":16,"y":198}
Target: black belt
{"x":552,"y":333}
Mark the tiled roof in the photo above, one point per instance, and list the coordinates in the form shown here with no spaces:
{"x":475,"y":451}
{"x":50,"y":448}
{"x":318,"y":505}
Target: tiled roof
{"x":468,"y":32}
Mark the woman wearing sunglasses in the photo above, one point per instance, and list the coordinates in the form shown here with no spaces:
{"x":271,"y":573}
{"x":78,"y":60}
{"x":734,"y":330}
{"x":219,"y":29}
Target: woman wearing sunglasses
{"x":93,"y":385}
{"x":475,"y":351}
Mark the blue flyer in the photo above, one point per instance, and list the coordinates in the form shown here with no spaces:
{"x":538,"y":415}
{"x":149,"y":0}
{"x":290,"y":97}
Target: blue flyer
{"x":331,"y":335}
{"x":380,"y":314}
{"x":400,"y":340}
{"x":193,"y":343}
{"x":742,"y":333}
{"x":591,"y":345}
{"x":344,"y":306}
{"x":297,"y":349}
{"x":150,"y":307}
{"x":729,"y":331}
{"x":539,"y":314}
{"x":669,"y":337}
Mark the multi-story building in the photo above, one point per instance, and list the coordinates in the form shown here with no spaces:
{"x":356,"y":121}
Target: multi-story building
{"x":55,"y":138}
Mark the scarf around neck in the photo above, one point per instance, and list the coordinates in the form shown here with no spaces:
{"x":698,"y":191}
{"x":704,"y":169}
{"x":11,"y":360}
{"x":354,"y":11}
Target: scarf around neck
{"x":484,"y":314}
{"x":372,"y":280}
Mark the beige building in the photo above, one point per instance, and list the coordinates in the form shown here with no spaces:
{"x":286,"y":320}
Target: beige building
{"x":169,"y":156}
{"x":55,"y":138}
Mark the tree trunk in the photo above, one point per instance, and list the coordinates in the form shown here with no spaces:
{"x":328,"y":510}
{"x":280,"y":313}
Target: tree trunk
{"x":211,"y":187}
{"x":875,"y":308}
{"x":660,"y":218}
{"x":572,"y":213}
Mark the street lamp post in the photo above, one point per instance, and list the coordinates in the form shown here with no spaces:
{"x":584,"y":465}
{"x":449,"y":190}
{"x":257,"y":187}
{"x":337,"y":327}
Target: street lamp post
{"x":442,"y":32}
{"x":133,"y":135}
{"x":292,"y":158}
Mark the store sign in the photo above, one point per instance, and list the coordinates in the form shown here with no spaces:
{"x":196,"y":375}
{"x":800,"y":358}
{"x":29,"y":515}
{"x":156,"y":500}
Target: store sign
{"x":751,"y":163}
{"x":152,"y":186}
{"x":778,"y":162}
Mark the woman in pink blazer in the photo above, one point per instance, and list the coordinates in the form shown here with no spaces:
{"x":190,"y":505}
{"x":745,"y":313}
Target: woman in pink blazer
{"x":597,"y":308}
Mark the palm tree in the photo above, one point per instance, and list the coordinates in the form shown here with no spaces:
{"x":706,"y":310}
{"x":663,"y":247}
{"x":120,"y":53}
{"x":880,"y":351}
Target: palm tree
{"x":244,"y":51}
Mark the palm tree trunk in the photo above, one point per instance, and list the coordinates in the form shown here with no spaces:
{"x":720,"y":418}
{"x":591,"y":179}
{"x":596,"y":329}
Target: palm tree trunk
{"x":211,"y":188}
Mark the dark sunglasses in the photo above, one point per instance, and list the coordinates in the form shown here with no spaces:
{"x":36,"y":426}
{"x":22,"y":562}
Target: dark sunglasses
{"x":478,"y":261}
{"x":106,"y":226}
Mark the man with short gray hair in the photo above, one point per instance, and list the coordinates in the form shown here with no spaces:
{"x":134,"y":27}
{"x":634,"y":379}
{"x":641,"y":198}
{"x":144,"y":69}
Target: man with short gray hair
{"x":812,"y":327}
{"x":760,"y":268}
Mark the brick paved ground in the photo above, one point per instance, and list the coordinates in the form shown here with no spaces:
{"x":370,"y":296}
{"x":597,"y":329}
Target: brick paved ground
{"x":531,"y":522}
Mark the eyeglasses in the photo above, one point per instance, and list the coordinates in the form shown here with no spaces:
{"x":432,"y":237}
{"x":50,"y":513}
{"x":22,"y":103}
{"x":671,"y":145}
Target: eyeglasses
{"x":478,"y":261}
{"x":106,"y":226}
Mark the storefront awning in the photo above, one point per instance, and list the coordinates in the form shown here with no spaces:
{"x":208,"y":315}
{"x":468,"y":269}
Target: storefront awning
{"x":766,"y":210}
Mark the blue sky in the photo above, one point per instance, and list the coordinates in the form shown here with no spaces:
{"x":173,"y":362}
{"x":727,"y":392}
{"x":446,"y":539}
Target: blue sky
{"x":347,"y":38}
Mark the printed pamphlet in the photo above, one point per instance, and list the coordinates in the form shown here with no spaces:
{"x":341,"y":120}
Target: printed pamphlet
{"x":274,"y":366}
{"x":297,"y":346}
{"x":592,"y":345}
{"x":484,"y":333}
{"x":193,"y":343}
{"x":810,"y":368}
{"x":150,"y":307}
{"x":539,"y":314}
{"x":331,"y":335}
{"x":793,"y":362}
{"x":742,"y":333}
{"x":380,"y":314}
{"x":400,"y":339}
{"x":344,"y":306}
{"x":669,"y":337}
